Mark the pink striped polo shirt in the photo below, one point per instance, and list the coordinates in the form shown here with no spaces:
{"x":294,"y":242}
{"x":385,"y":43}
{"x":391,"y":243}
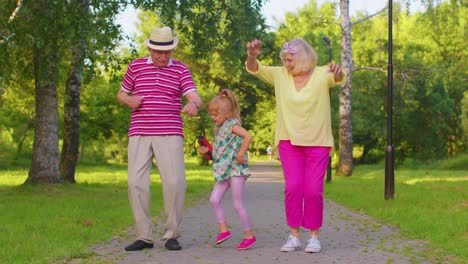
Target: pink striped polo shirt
{"x":162,"y":90}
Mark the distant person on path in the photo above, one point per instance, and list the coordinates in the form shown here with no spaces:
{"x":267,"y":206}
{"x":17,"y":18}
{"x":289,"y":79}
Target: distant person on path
{"x":153,"y":88}
{"x":230,"y":170}
{"x":303,"y":131}
{"x":270,"y":152}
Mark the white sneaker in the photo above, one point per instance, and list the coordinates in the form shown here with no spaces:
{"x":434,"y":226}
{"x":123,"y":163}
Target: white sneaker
{"x":292,"y":244}
{"x":313,"y":246}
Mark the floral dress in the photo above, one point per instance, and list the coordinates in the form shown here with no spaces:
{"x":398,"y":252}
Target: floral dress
{"x":225,"y":148}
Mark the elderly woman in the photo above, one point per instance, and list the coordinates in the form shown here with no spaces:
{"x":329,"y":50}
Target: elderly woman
{"x":303,"y":133}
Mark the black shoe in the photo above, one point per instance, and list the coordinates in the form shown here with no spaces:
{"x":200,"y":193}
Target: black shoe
{"x":172,"y":244}
{"x":138,"y":245}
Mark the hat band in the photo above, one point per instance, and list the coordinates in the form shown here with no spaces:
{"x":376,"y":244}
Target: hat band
{"x":162,"y":43}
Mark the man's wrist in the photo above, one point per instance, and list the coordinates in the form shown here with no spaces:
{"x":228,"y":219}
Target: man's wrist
{"x":129,"y":99}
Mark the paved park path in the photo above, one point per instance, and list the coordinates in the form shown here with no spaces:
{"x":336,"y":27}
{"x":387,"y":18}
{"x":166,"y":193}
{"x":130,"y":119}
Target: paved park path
{"x":346,"y":236}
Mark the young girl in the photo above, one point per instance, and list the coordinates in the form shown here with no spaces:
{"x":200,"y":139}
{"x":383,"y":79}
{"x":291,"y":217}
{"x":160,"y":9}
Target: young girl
{"x":230,"y":169}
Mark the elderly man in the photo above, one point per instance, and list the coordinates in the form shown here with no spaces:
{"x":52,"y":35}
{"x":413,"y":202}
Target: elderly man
{"x":153,"y":88}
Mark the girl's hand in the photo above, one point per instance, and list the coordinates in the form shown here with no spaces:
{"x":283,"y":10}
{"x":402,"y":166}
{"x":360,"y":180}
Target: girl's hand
{"x":203,"y":150}
{"x":240,"y":159}
{"x":247,"y":138}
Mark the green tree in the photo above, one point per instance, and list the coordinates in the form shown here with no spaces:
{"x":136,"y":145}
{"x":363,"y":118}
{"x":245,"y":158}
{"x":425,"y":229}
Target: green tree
{"x":45,"y":41}
{"x":71,"y":126}
{"x":64,"y":27}
{"x":103,"y":120}
{"x":427,"y":80}
{"x":429,"y":74}
{"x":370,"y":61}
{"x":92,"y":37}
{"x":465,"y":116}
{"x":447,"y":29}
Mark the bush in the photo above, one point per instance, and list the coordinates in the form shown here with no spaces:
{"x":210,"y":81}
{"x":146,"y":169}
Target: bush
{"x":458,"y":162}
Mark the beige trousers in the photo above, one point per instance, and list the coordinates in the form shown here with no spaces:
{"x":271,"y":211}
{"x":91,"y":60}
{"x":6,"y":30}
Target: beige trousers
{"x":169,"y":154}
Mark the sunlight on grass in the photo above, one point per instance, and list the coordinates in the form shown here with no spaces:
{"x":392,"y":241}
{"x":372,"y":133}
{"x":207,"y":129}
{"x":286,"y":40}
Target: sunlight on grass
{"x":431,"y":179}
{"x":13,"y":178}
{"x":369,"y":177}
{"x":102,"y":178}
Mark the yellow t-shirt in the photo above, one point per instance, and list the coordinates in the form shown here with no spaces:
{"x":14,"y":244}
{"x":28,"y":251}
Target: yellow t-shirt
{"x":303,"y":116}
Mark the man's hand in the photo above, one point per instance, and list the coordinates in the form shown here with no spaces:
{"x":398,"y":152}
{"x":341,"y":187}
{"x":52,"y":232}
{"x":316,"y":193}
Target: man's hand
{"x":131,"y":101}
{"x":194,"y":103}
{"x":134,"y":101}
{"x":190,"y":109}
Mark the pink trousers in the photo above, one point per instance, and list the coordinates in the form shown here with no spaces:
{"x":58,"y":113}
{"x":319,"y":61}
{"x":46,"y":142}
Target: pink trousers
{"x":237,"y":186}
{"x":304,"y":169}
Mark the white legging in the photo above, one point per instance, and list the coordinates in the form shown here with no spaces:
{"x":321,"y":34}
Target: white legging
{"x":237,"y":190}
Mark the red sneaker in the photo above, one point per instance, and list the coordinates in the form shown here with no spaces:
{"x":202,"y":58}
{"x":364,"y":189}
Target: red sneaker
{"x":222,"y":237}
{"x":247,"y":243}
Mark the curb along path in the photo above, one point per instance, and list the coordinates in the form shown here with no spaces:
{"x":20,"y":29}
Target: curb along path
{"x":346,"y":236}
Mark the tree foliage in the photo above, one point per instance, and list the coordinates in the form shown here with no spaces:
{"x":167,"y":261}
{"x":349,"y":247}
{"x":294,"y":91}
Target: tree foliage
{"x":429,"y":73}
{"x":41,"y":36}
{"x":427,"y":59}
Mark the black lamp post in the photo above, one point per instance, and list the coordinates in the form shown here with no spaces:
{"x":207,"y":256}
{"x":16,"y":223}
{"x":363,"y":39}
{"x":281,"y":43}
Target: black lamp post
{"x":327,"y":40}
{"x":389,"y":158}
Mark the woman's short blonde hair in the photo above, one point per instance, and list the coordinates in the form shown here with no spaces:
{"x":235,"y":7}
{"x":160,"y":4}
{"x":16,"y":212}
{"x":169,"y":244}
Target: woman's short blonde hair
{"x":304,"y":55}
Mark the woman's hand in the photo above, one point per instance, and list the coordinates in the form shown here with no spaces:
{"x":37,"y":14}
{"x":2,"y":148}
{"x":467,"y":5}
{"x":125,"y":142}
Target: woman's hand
{"x":337,"y":72}
{"x":253,"y":48}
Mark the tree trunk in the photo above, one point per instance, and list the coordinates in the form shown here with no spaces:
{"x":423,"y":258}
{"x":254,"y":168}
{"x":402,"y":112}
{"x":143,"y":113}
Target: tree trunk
{"x":345,"y":162}
{"x":71,"y":135}
{"x":45,"y":160}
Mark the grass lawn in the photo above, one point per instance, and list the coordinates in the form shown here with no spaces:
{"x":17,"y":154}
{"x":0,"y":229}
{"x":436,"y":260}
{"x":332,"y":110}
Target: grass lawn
{"x":43,"y":224}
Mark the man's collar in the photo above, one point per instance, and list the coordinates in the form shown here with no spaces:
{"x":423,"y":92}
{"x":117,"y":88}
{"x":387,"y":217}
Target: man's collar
{"x":150,"y":61}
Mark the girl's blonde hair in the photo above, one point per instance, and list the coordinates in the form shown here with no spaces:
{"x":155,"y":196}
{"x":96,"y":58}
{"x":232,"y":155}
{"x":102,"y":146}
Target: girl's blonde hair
{"x":304,"y":55}
{"x":225,"y":102}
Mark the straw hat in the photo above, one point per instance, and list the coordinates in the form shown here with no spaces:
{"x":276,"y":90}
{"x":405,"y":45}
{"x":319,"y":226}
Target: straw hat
{"x":161,"y":39}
